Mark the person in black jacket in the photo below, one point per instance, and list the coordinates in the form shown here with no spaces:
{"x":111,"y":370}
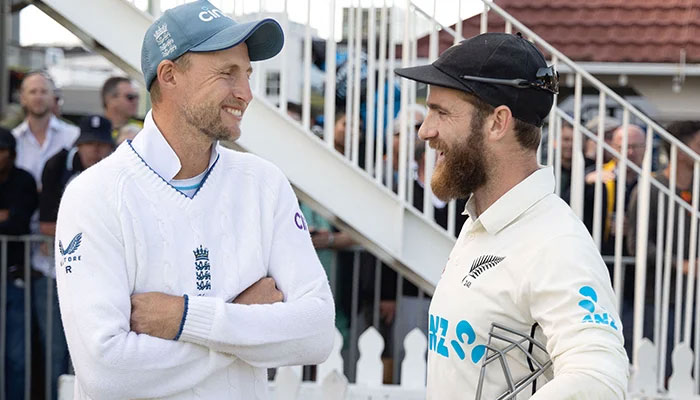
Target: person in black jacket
{"x":18,"y":200}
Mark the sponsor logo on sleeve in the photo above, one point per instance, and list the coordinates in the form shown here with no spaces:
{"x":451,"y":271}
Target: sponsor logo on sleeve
{"x":595,"y":314}
{"x":69,"y":253}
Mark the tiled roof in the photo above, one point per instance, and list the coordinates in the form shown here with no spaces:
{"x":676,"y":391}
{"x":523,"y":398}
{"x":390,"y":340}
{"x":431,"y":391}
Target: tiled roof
{"x":651,"y":31}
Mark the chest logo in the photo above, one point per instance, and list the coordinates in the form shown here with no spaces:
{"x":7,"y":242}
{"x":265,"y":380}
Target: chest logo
{"x":479,"y":266}
{"x":202,"y":269}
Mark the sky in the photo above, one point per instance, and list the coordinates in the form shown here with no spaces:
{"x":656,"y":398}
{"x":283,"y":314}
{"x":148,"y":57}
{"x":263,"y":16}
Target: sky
{"x":37,"y":28}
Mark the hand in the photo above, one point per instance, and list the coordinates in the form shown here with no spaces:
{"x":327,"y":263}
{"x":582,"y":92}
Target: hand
{"x":157,"y":314}
{"x":387,"y":310}
{"x":322,"y":239}
{"x":605,"y":176}
{"x":4,"y":215}
{"x":263,"y":291}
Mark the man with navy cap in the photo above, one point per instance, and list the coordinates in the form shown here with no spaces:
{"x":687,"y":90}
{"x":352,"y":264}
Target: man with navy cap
{"x":524,"y":307}
{"x":185,"y":269}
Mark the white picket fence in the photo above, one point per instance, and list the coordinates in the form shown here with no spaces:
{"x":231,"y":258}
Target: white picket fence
{"x":331,"y":383}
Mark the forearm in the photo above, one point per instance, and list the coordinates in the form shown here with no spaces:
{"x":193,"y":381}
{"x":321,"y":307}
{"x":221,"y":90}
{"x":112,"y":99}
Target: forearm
{"x":295,"y":332}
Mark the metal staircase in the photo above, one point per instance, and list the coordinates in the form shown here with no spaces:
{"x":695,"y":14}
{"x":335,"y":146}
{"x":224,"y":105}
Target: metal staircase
{"x":360,"y":199}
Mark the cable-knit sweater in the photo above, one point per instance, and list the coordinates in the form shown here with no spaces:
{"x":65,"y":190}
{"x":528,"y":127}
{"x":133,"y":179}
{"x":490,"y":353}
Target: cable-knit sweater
{"x":122,"y":229}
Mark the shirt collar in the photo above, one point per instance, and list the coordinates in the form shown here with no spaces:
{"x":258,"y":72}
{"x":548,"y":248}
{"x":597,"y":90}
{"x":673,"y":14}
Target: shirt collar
{"x":515,"y":202}
{"x":54,"y":126}
{"x":157,"y":153}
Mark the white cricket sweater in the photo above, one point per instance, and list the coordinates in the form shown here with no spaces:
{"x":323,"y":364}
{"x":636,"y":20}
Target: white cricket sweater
{"x":527,"y":262}
{"x":123,"y":230}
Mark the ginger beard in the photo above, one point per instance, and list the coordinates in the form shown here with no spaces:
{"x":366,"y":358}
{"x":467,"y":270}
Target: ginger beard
{"x":463,"y":168}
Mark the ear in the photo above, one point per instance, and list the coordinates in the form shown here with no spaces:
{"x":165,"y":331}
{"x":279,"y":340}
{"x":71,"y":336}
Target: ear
{"x":165,"y":74}
{"x":499,"y":123}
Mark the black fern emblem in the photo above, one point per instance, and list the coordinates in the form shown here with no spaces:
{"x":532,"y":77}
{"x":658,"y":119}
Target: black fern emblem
{"x":481,"y":265}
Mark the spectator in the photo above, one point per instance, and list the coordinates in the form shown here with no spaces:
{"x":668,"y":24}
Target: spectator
{"x":121,"y":103}
{"x":608,"y":176}
{"x":94,"y":143}
{"x":18,"y":200}
{"x":609,"y":126}
{"x":687,"y":132}
{"x":41,"y":135}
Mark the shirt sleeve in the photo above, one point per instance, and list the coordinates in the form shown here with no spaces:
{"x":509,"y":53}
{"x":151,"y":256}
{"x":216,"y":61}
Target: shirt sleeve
{"x":299,"y":330}
{"x":94,"y":290}
{"x":573,"y":301}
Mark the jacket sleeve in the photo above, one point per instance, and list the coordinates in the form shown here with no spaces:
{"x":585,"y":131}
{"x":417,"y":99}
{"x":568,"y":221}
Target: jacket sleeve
{"x":573,"y":301}
{"x":94,"y":290}
{"x":299,"y":330}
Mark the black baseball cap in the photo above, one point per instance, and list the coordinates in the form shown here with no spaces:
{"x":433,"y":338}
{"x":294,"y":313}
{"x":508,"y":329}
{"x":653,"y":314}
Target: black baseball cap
{"x":7,"y":140}
{"x":498,"y":68}
{"x":95,"y":128}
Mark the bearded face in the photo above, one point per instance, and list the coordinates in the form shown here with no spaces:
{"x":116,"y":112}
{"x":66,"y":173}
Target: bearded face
{"x":461,"y":166}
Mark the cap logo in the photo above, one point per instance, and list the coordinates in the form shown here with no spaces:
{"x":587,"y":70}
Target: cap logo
{"x":166,"y":44}
{"x":95,"y":122}
{"x":208,"y":15}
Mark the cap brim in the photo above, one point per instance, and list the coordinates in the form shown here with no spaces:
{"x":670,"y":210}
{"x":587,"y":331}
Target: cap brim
{"x":431,"y":75}
{"x":264,"y":39}
{"x":90,"y":137}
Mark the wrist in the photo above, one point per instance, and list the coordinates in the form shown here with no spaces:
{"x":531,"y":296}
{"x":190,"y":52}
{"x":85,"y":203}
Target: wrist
{"x":331,"y":239}
{"x":184,"y":318}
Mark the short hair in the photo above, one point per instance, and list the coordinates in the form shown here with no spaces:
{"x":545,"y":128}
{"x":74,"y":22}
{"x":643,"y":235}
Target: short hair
{"x":182,"y":63}
{"x":109,"y":88}
{"x":683,"y":131}
{"x":528,"y":135}
{"x":42,"y":73}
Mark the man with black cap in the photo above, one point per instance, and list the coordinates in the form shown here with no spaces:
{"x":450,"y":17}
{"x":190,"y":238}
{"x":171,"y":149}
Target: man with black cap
{"x":18,"y":201}
{"x":186,"y":269}
{"x":524,"y":304}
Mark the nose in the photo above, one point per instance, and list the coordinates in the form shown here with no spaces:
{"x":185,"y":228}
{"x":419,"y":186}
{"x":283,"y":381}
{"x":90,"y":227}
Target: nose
{"x":427,"y":131}
{"x":242,"y":90}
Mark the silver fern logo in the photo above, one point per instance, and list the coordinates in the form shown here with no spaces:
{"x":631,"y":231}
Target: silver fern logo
{"x":479,"y":266}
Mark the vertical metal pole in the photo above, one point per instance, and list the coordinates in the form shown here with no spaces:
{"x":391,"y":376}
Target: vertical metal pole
{"x":306,"y":101}
{"x":370,"y":121}
{"x":405,"y":59}
{"x":4,"y":39}
{"x":577,"y":162}
{"x":390,"y":110}
{"x":329,"y":95}
{"x":554,"y":131}
{"x":354,"y":309}
{"x":357,"y":92}
{"x":690,"y":288}
{"x":394,"y":331}
{"x":381,"y":134}
{"x":49,"y":337}
{"x":377,"y":293}
{"x":458,"y":26}
{"x":27,"y":321}
{"x":598,"y":189}
{"x":550,"y":133}
{"x":484,"y":20}
{"x":620,"y":208}
{"x":660,"y":300}
{"x":283,"y":96}
{"x":3,"y":311}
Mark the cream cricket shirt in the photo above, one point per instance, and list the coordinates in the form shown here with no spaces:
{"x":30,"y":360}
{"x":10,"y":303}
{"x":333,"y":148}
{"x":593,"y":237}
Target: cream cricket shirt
{"x":528,"y":263}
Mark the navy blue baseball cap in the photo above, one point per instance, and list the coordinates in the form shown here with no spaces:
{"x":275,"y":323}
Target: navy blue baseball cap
{"x":95,"y":129}
{"x":200,"y":27}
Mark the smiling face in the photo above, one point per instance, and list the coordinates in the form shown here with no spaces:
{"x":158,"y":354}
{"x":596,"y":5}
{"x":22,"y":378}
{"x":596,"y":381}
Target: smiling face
{"x":455,"y":129}
{"x":216,"y":91}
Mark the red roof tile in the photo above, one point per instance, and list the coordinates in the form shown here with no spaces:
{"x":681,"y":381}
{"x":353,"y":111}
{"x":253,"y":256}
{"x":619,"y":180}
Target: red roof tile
{"x":600,"y":30}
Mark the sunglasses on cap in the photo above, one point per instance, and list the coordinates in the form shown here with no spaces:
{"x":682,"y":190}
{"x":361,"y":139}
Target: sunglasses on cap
{"x":547,"y":78}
